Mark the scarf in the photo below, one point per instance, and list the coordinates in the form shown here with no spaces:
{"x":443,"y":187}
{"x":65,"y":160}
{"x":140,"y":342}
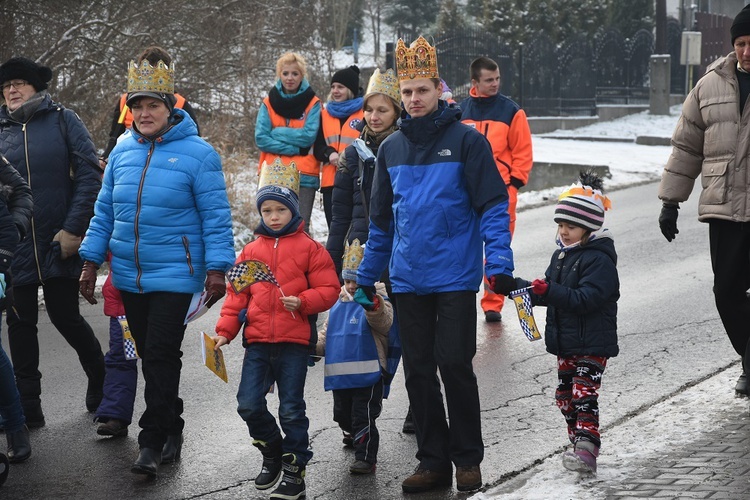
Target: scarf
{"x":344,"y":109}
{"x":376,"y":139}
{"x":291,"y":108}
{"x":25,"y":111}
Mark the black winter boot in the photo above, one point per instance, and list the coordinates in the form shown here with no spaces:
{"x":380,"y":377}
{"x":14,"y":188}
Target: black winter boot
{"x":19,"y":445}
{"x":95,"y":390}
{"x":740,"y":389}
{"x":271,"y":471}
{"x":292,"y":485}
{"x":4,"y":468}
{"x":172,"y":449}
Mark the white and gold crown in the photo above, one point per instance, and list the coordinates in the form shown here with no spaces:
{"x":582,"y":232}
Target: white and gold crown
{"x":279,"y":174}
{"x":353,"y":254}
{"x":417,"y":61}
{"x":383,"y":83}
{"x":146,"y":78}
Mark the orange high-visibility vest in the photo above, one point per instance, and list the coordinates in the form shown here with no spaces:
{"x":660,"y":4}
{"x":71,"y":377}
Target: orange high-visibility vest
{"x":126,"y":117}
{"x":306,"y":164}
{"x":338,"y":136}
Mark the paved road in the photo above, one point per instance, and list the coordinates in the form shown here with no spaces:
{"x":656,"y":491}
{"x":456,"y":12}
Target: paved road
{"x":670,"y":337}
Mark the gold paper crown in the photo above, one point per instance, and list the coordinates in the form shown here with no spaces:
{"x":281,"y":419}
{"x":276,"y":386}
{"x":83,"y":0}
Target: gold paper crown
{"x":279,"y":174}
{"x":383,"y":83}
{"x":146,"y":78}
{"x":417,"y":61}
{"x":353,"y":254}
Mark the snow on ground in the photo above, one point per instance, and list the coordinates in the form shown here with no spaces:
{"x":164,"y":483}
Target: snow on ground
{"x":659,"y":430}
{"x":629,"y":163}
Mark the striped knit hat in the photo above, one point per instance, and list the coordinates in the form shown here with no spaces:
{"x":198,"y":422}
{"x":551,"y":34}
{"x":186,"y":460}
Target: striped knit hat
{"x":583,"y":203}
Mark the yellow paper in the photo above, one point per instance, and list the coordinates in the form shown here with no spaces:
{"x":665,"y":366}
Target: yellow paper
{"x":213,"y":359}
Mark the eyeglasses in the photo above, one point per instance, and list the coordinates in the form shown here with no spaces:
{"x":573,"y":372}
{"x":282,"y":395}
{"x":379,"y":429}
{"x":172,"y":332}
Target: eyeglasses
{"x":18,"y":85}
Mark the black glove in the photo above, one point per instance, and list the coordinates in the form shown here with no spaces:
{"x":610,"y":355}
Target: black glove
{"x":522,"y":283}
{"x":668,"y":221}
{"x":502,"y":283}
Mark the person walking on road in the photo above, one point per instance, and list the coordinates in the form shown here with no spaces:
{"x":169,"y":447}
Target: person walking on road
{"x":277,"y":323}
{"x":712,"y":140}
{"x":164,"y":215}
{"x":580,"y":290}
{"x":506,"y":127}
{"x":53,"y":151}
{"x":437,"y":197}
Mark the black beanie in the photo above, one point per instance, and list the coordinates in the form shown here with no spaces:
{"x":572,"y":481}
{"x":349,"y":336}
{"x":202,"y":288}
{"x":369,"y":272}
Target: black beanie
{"x":349,"y":78}
{"x":20,"y":68}
{"x":741,"y":24}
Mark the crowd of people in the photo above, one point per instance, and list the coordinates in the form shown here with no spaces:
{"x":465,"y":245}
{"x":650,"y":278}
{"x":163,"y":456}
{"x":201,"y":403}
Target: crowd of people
{"x":409,"y":179}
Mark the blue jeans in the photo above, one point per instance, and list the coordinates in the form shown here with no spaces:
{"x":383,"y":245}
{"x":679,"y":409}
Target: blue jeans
{"x":285,"y":364}
{"x":11,"y":413}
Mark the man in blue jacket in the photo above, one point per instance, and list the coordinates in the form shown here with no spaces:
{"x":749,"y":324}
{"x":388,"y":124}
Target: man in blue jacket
{"x":437,"y":196}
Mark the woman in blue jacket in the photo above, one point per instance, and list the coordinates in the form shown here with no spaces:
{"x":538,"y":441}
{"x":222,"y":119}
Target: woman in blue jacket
{"x":163,"y":213}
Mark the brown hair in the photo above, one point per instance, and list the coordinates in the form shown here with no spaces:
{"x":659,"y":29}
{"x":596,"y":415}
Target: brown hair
{"x":154,"y":54}
{"x":480,"y":63}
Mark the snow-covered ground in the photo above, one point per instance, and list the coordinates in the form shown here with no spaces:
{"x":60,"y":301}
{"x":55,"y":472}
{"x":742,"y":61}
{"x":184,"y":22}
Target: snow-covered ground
{"x":662,"y":428}
{"x":629,"y":163}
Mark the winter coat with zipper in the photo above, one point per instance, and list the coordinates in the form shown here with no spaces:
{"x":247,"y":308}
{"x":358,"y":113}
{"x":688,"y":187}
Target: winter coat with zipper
{"x":712,"y":140}
{"x":16,"y":202}
{"x":351,"y":199}
{"x":506,"y":127}
{"x":582,"y":300}
{"x":163,"y":212}
{"x":55,"y":155}
{"x":436,"y":197}
{"x":303,"y":269}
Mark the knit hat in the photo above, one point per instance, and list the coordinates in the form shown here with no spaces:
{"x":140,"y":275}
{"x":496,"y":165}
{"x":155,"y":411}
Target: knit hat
{"x":21,"y":68}
{"x":349,"y":78}
{"x":447,"y":92}
{"x":741,"y":24}
{"x":279,"y":182}
{"x":583,"y":204}
{"x":281,"y":194}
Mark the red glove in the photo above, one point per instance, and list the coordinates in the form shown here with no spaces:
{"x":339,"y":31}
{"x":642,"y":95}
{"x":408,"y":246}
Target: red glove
{"x":539,"y":287}
{"x":216,"y":287}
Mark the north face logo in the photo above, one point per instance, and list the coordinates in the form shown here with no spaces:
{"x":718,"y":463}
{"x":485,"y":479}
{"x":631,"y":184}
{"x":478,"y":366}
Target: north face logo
{"x":444,"y":152}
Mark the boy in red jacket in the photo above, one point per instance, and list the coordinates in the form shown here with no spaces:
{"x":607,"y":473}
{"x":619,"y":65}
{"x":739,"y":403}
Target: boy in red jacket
{"x":279,"y":331}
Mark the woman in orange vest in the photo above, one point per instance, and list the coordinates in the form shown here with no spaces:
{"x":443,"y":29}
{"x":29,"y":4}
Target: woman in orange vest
{"x":340,"y":125}
{"x":287,"y":125}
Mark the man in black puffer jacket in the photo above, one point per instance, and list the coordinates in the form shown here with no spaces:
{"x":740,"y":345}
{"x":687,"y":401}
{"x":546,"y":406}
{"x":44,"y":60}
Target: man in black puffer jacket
{"x":53,"y":151}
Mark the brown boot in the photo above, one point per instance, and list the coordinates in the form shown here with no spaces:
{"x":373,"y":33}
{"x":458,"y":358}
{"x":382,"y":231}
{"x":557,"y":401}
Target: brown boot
{"x":426,"y":480}
{"x":468,"y":478}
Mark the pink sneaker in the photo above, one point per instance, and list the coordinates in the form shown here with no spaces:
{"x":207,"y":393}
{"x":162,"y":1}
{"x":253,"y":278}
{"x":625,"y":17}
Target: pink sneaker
{"x":583,"y":459}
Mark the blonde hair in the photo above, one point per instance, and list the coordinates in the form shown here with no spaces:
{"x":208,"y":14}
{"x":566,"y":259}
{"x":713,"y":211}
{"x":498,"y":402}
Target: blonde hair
{"x":291,"y":58}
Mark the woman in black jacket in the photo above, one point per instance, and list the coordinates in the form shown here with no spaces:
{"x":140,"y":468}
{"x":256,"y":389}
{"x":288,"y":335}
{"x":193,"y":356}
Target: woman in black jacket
{"x":353,"y":182}
{"x":53,"y":151}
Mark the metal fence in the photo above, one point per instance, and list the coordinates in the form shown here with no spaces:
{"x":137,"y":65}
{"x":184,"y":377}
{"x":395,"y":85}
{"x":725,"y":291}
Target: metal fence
{"x":571,"y":78}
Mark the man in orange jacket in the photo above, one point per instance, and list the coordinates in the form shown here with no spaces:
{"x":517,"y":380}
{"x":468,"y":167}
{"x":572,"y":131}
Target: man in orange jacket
{"x":505,"y":126}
